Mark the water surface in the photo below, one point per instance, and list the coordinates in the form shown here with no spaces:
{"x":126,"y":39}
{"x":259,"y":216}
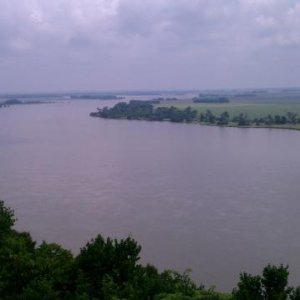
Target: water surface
{"x":217,"y":200}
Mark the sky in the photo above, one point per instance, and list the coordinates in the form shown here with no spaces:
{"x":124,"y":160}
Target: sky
{"x":63,"y":45}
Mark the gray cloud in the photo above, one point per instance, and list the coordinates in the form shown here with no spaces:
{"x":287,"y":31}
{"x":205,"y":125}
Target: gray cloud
{"x":133,"y":44}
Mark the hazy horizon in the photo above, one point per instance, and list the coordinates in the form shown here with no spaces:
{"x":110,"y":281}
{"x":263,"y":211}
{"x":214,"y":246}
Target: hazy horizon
{"x":144,"y":91}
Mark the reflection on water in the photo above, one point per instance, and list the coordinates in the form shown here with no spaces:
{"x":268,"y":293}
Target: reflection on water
{"x":217,"y":200}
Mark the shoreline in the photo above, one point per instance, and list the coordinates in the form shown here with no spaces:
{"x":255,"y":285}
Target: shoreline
{"x":144,"y":110}
{"x":206,"y":124}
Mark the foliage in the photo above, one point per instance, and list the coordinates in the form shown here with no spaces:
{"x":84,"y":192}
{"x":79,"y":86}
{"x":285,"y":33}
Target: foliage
{"x":7,"y":220}
{"x":108,"y":269}
{"x":249,"y":288}
{"x":101,"y":258}
{"x":203,"y":294}
{"x":144,"y":110}
{"x":272,"y":285}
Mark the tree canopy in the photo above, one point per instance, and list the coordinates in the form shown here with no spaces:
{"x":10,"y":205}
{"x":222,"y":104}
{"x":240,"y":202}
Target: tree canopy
{"x":109,"y":269}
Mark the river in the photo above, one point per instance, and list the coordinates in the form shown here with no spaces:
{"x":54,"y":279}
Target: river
{"x":217,"y":200}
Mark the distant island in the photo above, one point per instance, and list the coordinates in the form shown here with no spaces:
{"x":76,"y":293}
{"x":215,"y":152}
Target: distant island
{"x":97,"y":97}
{"x":10,"y":102}
{"x":145,"y":110}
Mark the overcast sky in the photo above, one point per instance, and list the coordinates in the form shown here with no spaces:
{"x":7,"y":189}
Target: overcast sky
{"x":60,"y":45}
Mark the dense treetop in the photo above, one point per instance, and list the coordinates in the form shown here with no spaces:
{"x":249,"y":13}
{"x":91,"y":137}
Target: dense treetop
{"x":144,"y":110}
{"x":109,"y":269}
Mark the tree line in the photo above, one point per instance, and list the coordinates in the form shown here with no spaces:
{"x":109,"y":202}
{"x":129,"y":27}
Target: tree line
{"x":242,"y":119}
{"x":144,"y":110}
{"x":109,"y":269}
{"x":210,"y":99}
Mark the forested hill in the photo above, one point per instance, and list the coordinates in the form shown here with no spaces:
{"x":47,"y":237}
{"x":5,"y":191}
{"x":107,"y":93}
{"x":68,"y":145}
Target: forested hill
{"x":109,"y":269}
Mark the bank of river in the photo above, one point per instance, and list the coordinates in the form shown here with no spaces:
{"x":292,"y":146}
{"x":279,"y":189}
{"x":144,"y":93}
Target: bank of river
{"x":232,"y":125}
{"x":148,"y":111}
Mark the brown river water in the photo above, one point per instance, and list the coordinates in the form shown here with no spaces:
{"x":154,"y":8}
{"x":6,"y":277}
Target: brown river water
{"x":217,"y":200}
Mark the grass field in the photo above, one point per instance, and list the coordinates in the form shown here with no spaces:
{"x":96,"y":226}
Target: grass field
{"x":253,"y":110}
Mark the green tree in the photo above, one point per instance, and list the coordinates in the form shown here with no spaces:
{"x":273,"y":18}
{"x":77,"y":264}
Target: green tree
{"x":223,"y":118}
{"x":102,"y":257}
{"x":56,"y":267}
{"x":17,"y":264}
{"x":243,"y":120}
{"x":292,"y":117}
{"x":296,"y":294}
{"x":7,"y":220}
{"x":249,"y":288}
{"x":209,"y":117}
{"x":275,"y":283}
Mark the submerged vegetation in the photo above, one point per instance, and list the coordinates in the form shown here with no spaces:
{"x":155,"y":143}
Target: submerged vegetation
{"x":109,"y":269}
{"x":145,"y":110}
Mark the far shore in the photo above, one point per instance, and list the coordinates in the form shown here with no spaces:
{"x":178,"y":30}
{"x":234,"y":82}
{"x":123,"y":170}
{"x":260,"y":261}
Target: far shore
{"x":297,"y":128}
{"x":145,"y":110}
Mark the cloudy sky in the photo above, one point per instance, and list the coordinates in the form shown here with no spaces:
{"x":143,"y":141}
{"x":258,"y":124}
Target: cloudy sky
{"x":60,"y":45}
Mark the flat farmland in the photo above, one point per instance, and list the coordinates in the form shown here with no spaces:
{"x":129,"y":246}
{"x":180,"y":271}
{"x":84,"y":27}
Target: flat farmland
{"x":253,"y":110}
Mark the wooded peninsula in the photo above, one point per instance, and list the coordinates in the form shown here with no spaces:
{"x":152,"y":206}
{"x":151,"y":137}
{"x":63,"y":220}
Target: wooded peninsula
{"x":147,"y":110}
